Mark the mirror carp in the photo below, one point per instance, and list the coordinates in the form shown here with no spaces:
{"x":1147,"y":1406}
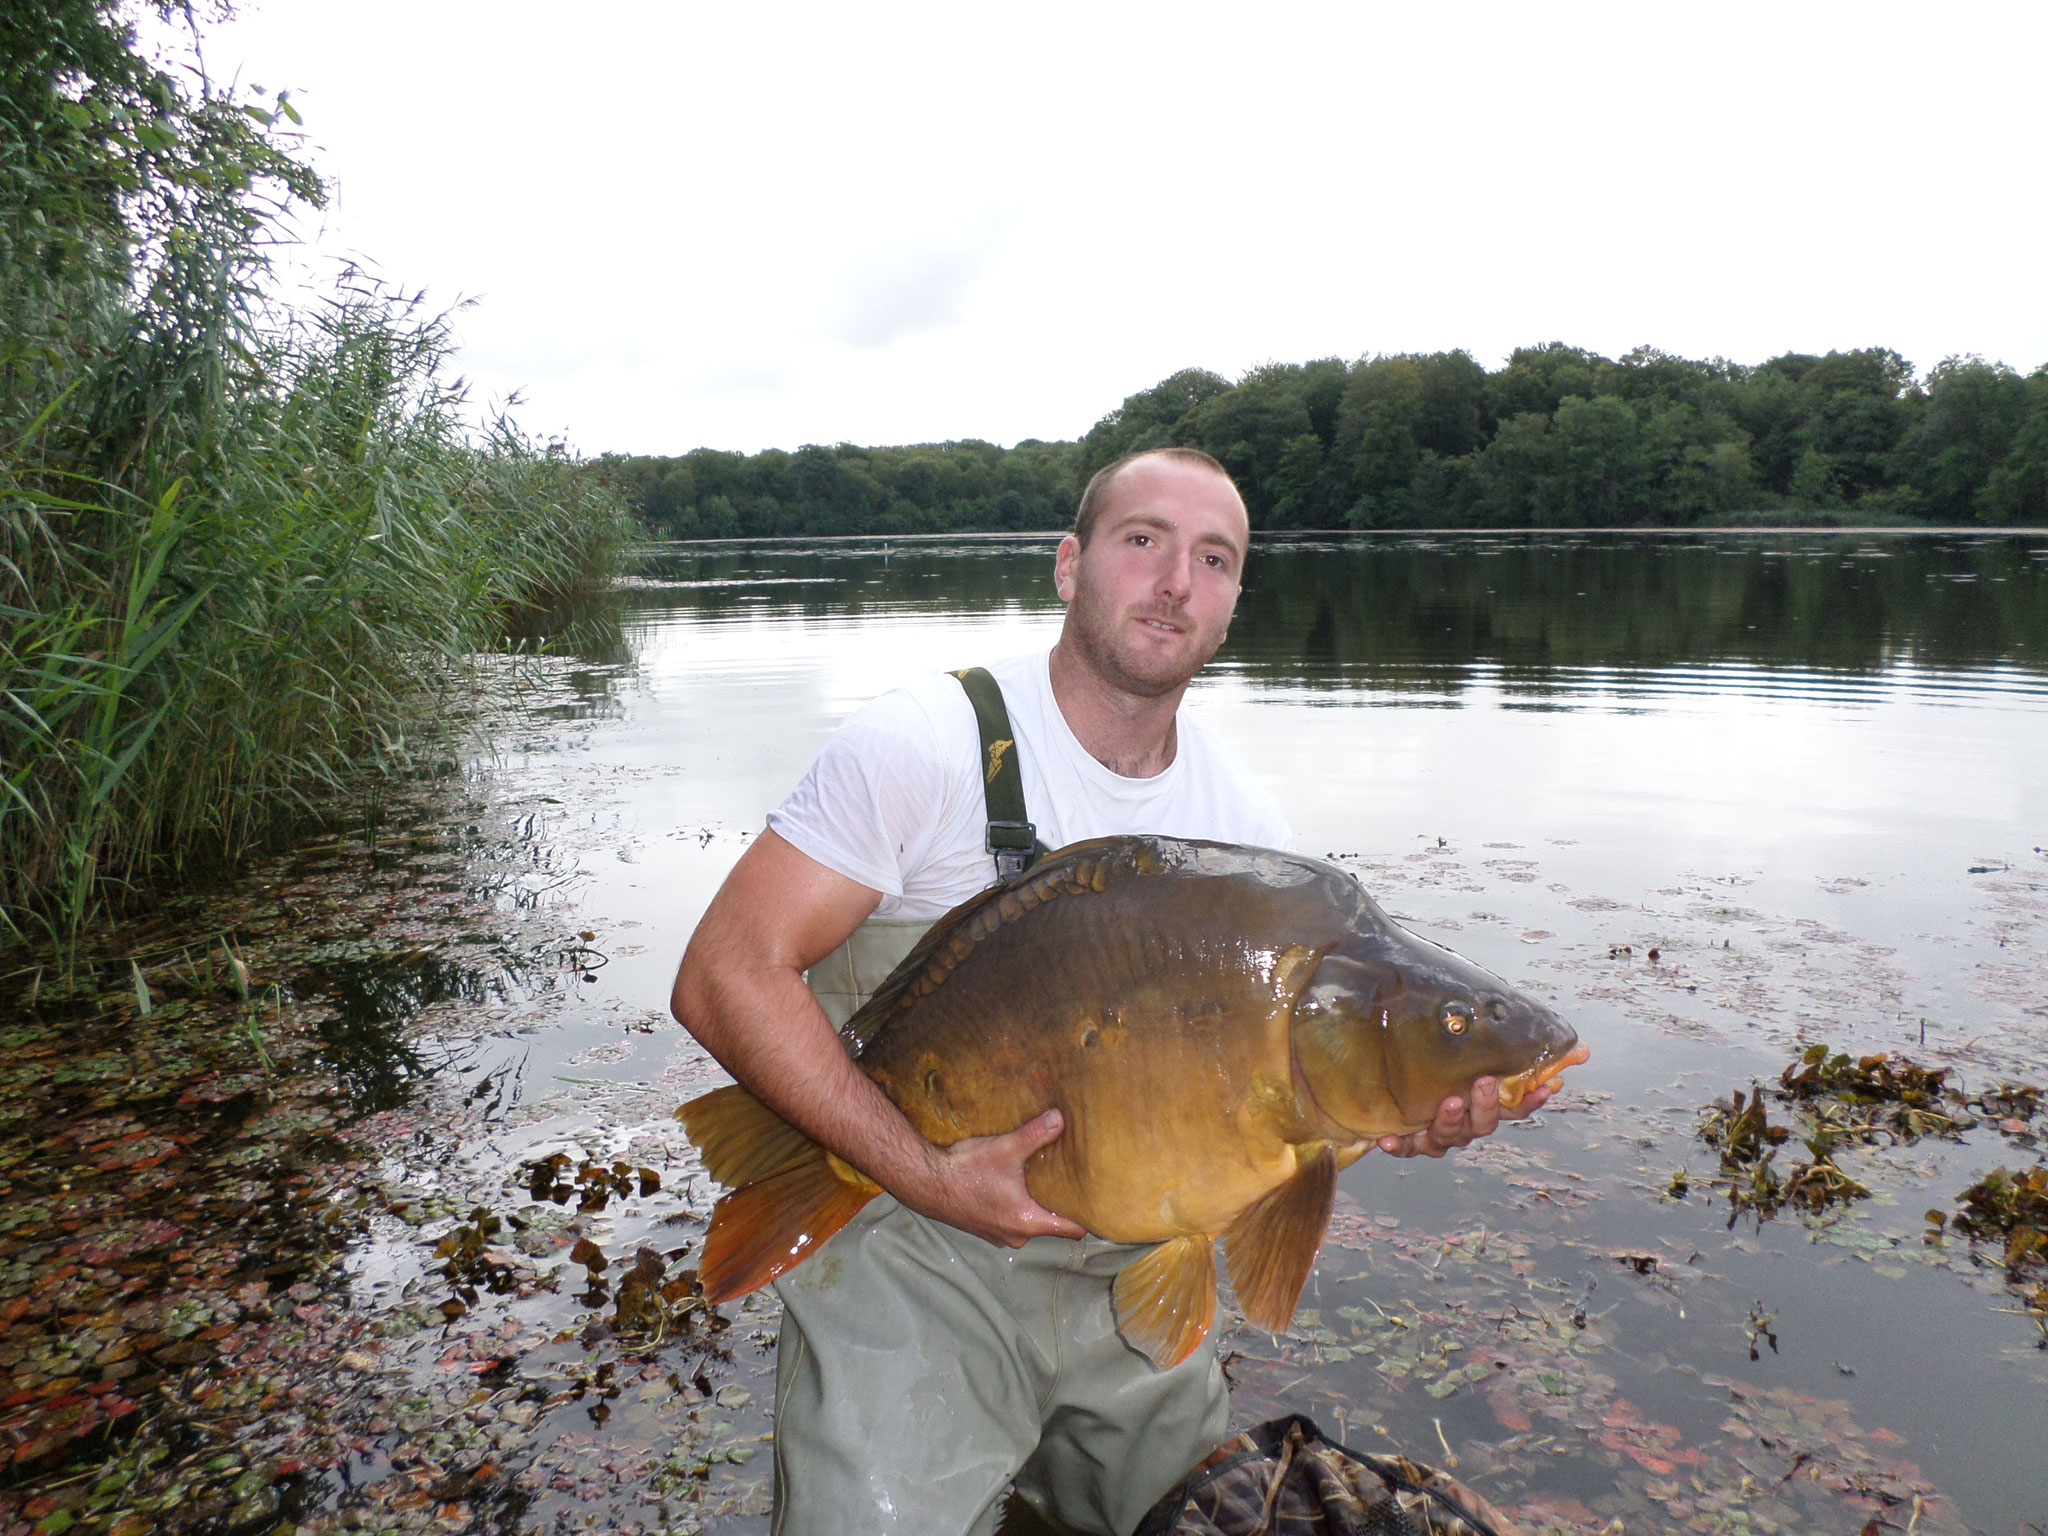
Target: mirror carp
{"x":1223,"y":1028}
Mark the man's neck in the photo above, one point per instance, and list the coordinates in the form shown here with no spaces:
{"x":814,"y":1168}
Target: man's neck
{"x":1129,"y":735}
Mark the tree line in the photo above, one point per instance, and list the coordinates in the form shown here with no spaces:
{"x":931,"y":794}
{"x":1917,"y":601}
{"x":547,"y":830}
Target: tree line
{"x":1556,"y":437}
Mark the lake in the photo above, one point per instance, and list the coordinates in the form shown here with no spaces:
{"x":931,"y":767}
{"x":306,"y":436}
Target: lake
{"x":1716,"y":797}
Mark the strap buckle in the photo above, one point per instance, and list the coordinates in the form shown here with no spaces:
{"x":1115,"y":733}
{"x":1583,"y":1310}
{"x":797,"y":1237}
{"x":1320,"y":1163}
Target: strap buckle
{"x":1012,"y":843}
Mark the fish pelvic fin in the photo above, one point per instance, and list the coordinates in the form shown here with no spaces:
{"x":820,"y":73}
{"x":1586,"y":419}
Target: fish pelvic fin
{"x":742,"y":1140}
{"x":1270,"y":1248}
{"x":774,"y":1224}
{"x":1165,"y":1300}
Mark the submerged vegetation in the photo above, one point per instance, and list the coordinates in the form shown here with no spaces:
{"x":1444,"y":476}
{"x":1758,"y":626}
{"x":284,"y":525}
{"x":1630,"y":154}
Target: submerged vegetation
{"x":243,"y":548}
{"x":1557,"y":437}
{"x":1842,"y":1102}
{"x":2012,"y":1207}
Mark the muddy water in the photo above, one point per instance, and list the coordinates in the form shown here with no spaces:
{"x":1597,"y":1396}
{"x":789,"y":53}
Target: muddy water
{"x":1806,"y":772}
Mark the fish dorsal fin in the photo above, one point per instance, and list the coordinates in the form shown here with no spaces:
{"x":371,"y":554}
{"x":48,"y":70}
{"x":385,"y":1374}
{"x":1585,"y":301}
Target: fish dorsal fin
{"x":1076,"y":869}
{"x":1270,"y":1248}
{"x":776,"y":1223}
{"x":740,"y":1139}
{"x":1166,"y":1299}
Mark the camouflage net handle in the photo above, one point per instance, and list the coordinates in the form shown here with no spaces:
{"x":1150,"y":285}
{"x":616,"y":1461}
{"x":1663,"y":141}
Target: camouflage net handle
{"x":1286,"y":1478}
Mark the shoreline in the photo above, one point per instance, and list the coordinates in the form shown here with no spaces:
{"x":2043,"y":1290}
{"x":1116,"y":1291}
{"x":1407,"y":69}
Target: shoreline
{"x":1290,"y":535}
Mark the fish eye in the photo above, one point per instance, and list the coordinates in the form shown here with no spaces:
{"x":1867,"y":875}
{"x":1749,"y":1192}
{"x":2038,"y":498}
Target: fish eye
{"x":1456,"y":1017}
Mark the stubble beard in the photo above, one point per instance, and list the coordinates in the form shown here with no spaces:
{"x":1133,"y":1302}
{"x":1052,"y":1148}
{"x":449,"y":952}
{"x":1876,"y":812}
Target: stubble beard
{"x":1095,"y":636}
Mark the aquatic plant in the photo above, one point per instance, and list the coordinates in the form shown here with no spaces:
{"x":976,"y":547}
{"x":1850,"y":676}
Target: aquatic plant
{"x":1887,"y":1093}
{"x":1841,"y":1101}
{"x":245,"y":551}
{"x":1742,"y":1133}
{"x":2013,"y":1206}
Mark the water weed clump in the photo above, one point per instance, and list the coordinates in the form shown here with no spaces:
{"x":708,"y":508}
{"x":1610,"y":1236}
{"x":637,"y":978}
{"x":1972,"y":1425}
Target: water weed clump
{"x":2012,"y":1206}
{"x":244,"y":549}
{"x":1841,"y":1102}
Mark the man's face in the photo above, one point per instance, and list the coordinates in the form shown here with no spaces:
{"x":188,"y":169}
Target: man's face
{"x":1150,"y":598}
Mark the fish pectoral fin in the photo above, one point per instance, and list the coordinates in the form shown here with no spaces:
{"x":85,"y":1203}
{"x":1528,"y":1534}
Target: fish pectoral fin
{"x":1165,"y":1300}
{"x":1270,"y":1248}
{"x":774,"y":1224}
{"x":742,"y":1140}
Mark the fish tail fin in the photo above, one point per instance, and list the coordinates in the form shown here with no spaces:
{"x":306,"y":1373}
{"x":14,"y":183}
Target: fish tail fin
{"x":1165,"y":1300}
{"x":788,"y":1194}
{"x":742,"y":1140}
{"x":774,"y":1224}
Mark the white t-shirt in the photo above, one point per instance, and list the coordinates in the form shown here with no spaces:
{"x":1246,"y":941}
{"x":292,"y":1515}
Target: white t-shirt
{"x":895,"y":800}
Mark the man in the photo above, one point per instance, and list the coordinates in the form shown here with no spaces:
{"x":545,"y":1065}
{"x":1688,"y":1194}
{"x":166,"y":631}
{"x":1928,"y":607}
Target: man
{"x":958,"y":1335}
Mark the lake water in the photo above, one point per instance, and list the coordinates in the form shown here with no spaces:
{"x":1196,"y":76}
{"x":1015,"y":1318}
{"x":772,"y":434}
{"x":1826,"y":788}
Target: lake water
{"x":1809,"y":771}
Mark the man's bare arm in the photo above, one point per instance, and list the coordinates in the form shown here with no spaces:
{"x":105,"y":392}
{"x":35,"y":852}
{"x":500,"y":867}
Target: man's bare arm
{"x":741,"y":992}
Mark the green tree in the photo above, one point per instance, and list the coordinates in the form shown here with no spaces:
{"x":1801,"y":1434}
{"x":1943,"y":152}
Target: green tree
{"x":1814,"y":483}
{"x":715,"y":518}
{"x":1376,"y":447}
{"x":1148,"y":418}
{"x":1298,"y":482}
{"x":1558,"y":436}
{"x":1646,"y":373}
{"x":1536,"y":379}
{"x":1696,"y":463}
{"x":1967,"y":426}
{"x":1246,"y":429}
{"x":1858,"y":413}
{"x":2016,"y":491}
{"x":1855,"y":407}
{"x":1515,"y":477}
{"x":1603,"y":469}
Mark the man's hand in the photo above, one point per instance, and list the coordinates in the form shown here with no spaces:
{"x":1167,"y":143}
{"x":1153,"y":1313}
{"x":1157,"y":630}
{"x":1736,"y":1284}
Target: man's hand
{"x":978,"y":1186}
{"x":1459,"y":1122}
{"x":740,"y":991}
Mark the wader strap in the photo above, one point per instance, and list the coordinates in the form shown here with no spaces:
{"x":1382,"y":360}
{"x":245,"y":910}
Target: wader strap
{"x":1011,"y":836}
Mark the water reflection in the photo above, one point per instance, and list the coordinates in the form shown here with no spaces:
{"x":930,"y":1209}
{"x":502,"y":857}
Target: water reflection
{"x":851,"y":579}
{"x":364,"y":1042}
{"x":1571,"y":615}
{"x":585,"y":625}
{"x":1543,"y":608}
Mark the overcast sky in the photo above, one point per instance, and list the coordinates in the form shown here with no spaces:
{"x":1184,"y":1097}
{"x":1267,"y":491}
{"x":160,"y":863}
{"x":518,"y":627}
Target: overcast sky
{"x":744,"y":226}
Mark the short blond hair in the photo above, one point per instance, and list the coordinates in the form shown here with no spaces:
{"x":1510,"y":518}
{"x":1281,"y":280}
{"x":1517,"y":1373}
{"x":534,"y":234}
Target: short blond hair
{"x":1100,"y":483}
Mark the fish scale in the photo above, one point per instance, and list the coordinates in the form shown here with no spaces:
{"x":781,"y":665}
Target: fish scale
{"x":1222,"y":1027}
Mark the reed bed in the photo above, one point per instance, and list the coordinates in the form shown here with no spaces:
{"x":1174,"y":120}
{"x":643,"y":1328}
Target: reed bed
{"x":245,"y":552}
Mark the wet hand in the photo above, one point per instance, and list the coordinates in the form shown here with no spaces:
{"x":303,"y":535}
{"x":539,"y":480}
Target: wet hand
{"x":978,"y":1186}
{"x":1461,"y":1121}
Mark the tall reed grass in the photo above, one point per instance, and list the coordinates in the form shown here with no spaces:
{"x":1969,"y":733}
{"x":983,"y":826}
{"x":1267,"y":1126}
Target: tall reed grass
{"x":243,"y":551}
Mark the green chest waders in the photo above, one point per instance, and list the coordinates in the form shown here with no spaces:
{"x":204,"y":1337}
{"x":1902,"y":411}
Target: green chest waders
{"x":849,"y":976}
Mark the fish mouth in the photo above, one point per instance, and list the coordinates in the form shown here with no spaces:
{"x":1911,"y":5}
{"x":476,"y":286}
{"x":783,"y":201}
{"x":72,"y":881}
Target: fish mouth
{"x":1514,"y":1089}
